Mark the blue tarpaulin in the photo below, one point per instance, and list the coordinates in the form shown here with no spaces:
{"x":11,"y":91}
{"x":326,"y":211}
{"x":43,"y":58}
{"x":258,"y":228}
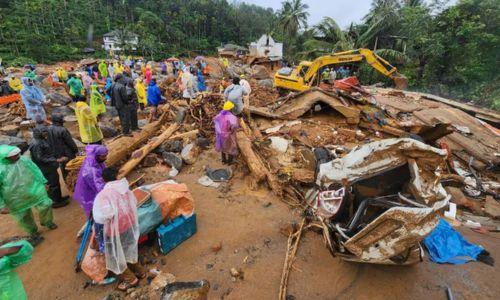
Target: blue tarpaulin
{"x":446,"y":245}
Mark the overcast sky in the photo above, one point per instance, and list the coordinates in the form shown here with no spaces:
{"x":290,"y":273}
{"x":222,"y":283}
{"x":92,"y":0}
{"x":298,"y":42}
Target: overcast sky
{"x":342,"y":11}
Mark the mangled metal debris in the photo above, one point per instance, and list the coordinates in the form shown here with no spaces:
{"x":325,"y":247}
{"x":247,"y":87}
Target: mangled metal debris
{"x":380,"y":200}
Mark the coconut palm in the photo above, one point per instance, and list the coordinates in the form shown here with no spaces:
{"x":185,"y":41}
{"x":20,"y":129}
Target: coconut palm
{"x":293,"y":16}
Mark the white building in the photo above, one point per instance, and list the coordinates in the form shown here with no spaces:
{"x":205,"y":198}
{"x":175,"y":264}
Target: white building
{"x":118,"y":39}
{"x":266,"y":47}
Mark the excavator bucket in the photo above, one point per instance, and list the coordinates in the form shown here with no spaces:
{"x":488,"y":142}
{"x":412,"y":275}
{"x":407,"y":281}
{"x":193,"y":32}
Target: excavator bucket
{"x":400,"y":81}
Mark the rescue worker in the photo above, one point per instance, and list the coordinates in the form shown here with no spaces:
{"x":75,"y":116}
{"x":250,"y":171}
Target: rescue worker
{"x":116,"y":223}
{"x":15,"y":84}
{"x":75,"y":88}
{"x":246,"y":99}
{"x":97,"y":105}
{"x":33,"y":99}
{"x":103,"y":69}
{"x":90,"y":133}
{"x":225,"y":133}
{"x":154,"y":97}
{"x":122,"y":100}
{"x":90,"y":181}
{"x":61,"y":141}
{"x":22,"y":187}
{"x":12,"y":255}
{"x":43,"y":155}
{"x":140,"y":89}
{"x":235,"y":93}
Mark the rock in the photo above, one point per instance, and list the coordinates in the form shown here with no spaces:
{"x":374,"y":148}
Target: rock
{"x":10,"y":130}
{"x":58,"y":98}
{"x":260,"y":72}
{"x":108,"y":131}
{"x":203,"y":143}
{"x":265,"y":83}
{"x":63,"y":110}
{"x":180,"y":115}
{"x":172,"y":146}
{"x":150,"y":160}
{"x":161,"y":280}
{"x":14,"y":141}
{"x":195,"y":290}
{"x":217,"y":247}
{"x":173,"y":160}
{"x":492,"y":207}
{"x":280,"y":144}
{"x":238,"y":274}
{"x":234,"y":71}
{"x":189,"y":153}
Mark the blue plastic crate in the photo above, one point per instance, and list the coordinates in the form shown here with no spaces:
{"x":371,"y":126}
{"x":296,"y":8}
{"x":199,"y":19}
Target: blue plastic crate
{"x":175,"y":232}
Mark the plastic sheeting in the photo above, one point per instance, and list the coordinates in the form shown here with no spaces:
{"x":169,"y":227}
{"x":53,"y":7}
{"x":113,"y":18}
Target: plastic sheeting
{"x":446,"y":245}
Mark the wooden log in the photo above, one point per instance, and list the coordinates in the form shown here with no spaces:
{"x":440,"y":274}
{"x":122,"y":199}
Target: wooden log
{"x":253,"y":162}
{"x":139,"y":155}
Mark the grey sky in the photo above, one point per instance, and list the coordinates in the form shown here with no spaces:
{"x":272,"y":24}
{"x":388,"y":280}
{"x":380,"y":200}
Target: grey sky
{"x":343,"y":11}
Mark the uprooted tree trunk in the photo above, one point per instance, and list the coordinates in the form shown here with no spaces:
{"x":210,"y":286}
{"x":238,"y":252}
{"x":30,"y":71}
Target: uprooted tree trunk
{"x":139,"y":154}
{"x":257,"y":168}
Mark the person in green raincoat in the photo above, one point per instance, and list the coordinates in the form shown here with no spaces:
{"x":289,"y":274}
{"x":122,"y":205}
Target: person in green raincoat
{"x":75,"y":87}
{"x":13,"y":255}
{"x":97,"y":105}
{"x":23,"y":187}
{"x":103,"y":69}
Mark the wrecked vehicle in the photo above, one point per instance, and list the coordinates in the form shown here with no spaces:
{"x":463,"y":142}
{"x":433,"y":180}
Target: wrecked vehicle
{"x":379,"y":201}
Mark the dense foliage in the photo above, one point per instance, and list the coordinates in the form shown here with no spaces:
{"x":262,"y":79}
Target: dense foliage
{"x":452,"y":51}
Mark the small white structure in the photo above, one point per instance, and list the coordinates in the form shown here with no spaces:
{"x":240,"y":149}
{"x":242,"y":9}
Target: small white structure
{"x":116,"y":40}
{"x":266,"y":47}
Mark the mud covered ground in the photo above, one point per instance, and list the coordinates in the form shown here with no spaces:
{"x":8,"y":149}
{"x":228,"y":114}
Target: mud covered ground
{"x":248,"y":223}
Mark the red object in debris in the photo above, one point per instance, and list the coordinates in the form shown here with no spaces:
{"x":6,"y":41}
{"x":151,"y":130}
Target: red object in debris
{"x":349,"y":84}
{"x":449,"y":157}
{"x":142,"y":239}
{"x":9,"y":99}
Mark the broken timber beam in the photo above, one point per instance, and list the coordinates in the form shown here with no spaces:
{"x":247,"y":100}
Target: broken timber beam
{"x":139,"y":155}
{"x":257,"y":168}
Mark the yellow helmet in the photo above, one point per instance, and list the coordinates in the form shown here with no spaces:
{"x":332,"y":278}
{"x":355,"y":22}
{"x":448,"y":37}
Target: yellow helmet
{"x":228,"y":105}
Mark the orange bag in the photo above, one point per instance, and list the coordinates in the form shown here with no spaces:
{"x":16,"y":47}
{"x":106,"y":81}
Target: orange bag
{"x":94,"y":264}
{"x":173,"y":199}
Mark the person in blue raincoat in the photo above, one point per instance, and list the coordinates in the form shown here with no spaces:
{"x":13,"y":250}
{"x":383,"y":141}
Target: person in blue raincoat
{"x":33,"y":99}
{"x":154,"y":97}
{"x":201,"y":82}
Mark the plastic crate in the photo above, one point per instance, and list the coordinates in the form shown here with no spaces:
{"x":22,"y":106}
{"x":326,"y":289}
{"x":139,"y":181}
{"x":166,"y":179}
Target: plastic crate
{"x":175,"y":232}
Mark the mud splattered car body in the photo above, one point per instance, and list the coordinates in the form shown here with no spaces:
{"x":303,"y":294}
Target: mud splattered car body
{"x":391,"y":191}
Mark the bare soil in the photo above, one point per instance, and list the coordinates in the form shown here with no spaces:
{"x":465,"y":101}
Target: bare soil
{"x":249,"y":229}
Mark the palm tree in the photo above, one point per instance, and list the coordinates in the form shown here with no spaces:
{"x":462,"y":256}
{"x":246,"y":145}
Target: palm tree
{"x":293,"y":16}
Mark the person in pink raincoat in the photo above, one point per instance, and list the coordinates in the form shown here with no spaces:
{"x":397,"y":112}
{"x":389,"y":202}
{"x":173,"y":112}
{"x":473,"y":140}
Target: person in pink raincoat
{"x":225,"y":133}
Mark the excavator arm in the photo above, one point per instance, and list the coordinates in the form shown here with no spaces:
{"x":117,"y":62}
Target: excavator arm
{"x":377,"y":62}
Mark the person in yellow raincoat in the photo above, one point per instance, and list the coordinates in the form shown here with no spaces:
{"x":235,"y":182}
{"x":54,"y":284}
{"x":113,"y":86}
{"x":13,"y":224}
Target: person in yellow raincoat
{"x":90,"y":133}
{"x":140,"y":90}
{"x":15,"y":84}
{"x":97,"y":105}
{"x":62,"y":74}
{"x":118,"y":68}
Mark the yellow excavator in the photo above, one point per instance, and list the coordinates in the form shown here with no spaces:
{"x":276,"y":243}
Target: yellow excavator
{"x":307,"y":73}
